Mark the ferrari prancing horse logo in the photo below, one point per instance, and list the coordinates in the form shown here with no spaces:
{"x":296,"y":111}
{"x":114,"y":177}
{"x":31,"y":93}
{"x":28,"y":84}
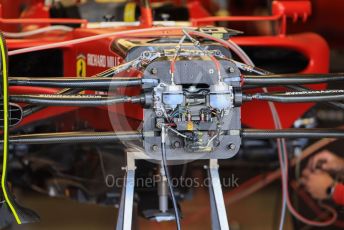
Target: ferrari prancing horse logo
{"x":81,"y":66}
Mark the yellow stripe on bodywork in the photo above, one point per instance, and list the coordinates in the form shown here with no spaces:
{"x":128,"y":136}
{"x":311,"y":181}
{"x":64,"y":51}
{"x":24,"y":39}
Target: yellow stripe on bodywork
{"x":6,"y":130}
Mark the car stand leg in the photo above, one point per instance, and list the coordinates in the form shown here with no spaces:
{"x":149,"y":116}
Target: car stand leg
{"x":125,"y":213}
{"x":219,"y":219}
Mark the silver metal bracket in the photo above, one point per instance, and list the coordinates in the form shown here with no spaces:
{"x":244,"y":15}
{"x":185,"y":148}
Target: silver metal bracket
{"x":218,"y":209}
{"x":125,"y":212}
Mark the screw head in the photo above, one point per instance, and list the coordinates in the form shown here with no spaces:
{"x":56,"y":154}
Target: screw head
{"x":146,"y":54}
{"x":154,"y":71}
{"x":231,"y":69}
{"x":155,"y":148}
{"x":231,"y":146}
{"x":176,"y":144}
{"x":159,"y":113}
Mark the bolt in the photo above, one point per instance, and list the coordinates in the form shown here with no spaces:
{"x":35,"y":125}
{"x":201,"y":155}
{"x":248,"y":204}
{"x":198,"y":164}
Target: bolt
{"x":146,"y":54}
{"x":154,"y":71}
{"x":231,"y":146}
{"x":176,"y":144}
{"x":155,"y":148}
{"x":231,"y":69}
{"x":211,"y":71}
{"x":159,"y":113}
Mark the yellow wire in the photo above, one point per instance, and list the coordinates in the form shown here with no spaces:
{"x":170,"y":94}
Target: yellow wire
{"x":5,"y":148}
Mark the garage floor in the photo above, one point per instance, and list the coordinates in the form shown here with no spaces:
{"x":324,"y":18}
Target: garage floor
{"x":259,"y":211}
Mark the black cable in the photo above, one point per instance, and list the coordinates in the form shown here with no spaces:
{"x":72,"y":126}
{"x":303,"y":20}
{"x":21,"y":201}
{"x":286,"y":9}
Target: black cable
{"x":75,"y":137}
{"x":81,"y":83}
{"x":292,"y":133}
{"x":304,"y":96}
{"x":167,"y":173}
{"x":288,"y":79}
{"x":73,"y":100}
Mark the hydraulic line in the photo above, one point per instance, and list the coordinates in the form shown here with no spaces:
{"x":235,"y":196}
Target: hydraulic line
{"x":303,"y":96}
{"x":292,"y":133}
{"x":290,"y":79}
{"x":81,"y":83}
{"x":38,"y":31}
{"x":249,"y":68}
{"x":135,"y":32}
{"x":30,"y":109}
{"x":117,"y":69}
{"x":337,"y":105}
{"x":229,"y":44}
{"x":75,"y":137}
{"x":80,"y":100}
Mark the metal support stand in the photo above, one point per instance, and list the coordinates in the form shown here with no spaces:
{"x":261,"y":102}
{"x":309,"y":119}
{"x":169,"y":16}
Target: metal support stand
{"x":218,"y":210}
{"x":125,"y":212}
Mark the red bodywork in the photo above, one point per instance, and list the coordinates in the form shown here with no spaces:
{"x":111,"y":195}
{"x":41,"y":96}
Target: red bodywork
{"x":255,"y":114}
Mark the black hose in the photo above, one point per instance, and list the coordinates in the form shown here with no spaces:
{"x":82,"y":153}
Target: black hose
{"x":288,"y":79}
{"x":73,"y":100}
{"x":81,"y":83}
{"x":292,"y":133}
{"x":75,"y":137}
{"x":304,"y":96}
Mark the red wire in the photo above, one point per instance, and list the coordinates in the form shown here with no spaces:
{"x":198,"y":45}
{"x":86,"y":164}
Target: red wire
{"x":222,"y":42}
{"x":285,"y":182}
{"x":299,"y":216}
{"x":217,"y":64}
{"x":172,"y":66}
